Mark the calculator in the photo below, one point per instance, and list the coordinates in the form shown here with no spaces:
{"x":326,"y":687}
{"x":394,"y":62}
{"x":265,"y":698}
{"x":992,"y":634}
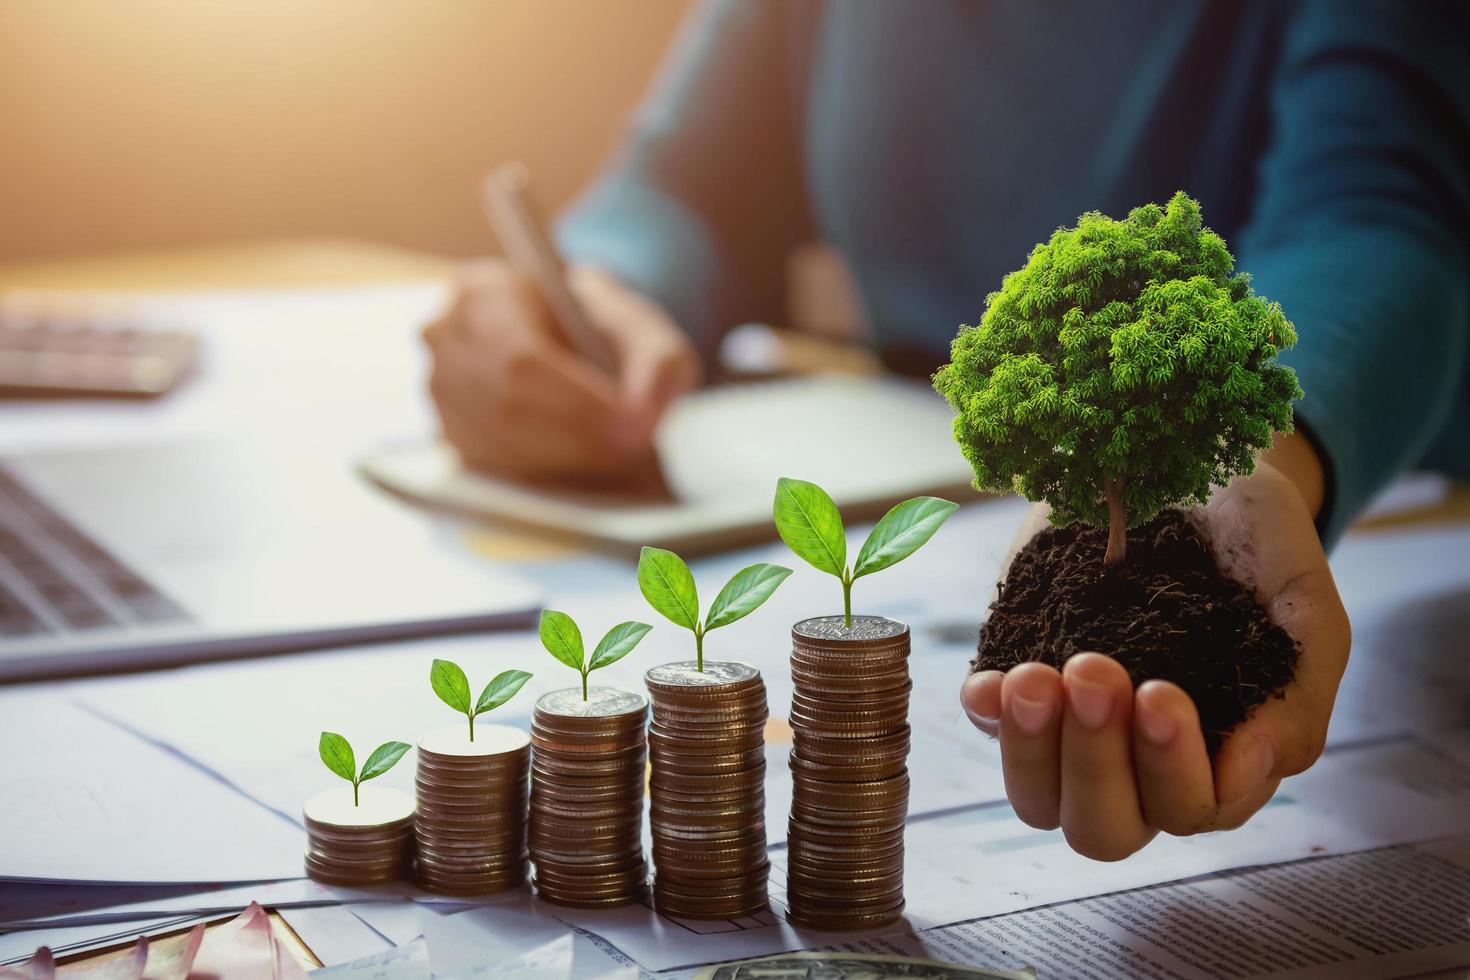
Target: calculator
{"x":40,"y":357}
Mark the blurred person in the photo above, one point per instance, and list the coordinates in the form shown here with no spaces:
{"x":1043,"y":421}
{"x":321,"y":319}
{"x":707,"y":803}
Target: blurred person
{"x":933,"y":144}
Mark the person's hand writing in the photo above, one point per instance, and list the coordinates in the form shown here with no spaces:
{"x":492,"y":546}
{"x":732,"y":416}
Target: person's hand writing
{"x":1111,"y":766}
{"x":514,"y":398}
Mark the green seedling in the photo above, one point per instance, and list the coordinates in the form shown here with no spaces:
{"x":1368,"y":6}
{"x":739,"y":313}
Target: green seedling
{"x":668,"y":585}
{"x":563,"y":640}
{"x":453,"y":688}
{"x":810,"y":524}
{"x":336,"y":752}
{"x":1127,"y":368}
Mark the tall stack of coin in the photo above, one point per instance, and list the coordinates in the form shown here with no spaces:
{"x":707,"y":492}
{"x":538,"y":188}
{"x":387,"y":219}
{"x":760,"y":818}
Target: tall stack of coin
{"x":362,"y":841}
{"x":471,"y":821}
{"x":708,"y":814}
{"x":849,"y":718}
{"x":587,"y":775}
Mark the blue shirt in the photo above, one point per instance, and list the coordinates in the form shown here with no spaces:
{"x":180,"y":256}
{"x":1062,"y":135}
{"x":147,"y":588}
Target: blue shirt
{"x":934,"y":143}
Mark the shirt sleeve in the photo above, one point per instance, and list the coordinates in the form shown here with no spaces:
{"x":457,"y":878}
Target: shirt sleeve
{"x":1360,"y":232}
{"x":704,"y":199}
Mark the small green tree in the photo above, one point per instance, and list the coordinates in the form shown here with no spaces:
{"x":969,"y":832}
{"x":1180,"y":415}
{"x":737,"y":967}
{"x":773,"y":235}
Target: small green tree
{"x":1126,"y":368}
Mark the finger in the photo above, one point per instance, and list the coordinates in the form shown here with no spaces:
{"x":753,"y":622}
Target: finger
{"x":1265,"y":536}
{"x":549,"y":415}
{"x":1100,"y":811}
{"x":656,"y":361}
{"x":1030,"y":738}
{"x":1285,"y":735}
{"x":433,"y":332}
{"x":654,"y":374}
{"x":1175,"y":782}
{"x":1235,"y":814}
{"x":980,"y":695}
{"x":1251,"y":756}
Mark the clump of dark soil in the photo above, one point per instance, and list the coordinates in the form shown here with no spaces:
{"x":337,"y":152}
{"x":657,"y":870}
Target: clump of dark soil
{"x":1166,"y":612}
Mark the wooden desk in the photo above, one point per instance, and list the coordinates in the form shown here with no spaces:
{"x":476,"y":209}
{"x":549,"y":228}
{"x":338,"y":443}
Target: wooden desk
{"x":305,"y":263}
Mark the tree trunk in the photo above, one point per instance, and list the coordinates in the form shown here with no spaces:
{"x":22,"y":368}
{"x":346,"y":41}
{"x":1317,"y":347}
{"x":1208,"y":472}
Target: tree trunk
{"x":1117,"y":522}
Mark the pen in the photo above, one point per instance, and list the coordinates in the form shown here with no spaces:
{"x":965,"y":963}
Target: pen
{"x":533,"y":255}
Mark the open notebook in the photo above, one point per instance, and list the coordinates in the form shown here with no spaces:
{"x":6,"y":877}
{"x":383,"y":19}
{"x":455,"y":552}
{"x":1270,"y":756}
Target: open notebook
{"x":869,"y":441}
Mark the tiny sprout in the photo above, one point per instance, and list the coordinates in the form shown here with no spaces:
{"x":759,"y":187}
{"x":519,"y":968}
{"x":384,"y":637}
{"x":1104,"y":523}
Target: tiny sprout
{"x":563,"y":640}
{"x":336,"y":752}
{"x":668,"y":585}
{"x":453,"y":688}
{"x":810,"y":524}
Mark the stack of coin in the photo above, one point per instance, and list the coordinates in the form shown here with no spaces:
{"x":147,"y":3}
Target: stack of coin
{"x":708,"y":813}
{"x":587,"y":774}
{"x":366,"y":841}
{"x":471,"y":820}
{"x":849,"y":719}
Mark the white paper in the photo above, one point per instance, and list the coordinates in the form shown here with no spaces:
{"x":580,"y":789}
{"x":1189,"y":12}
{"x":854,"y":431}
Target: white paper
{"x":407,"y":962}
{"x":84,"y":801}
{"x":1368,"y":916}
{"x":373,"y":694}
{"x":984,"y":861}
{"x":463,"y":939}
{"x":502,"y":931}
{"x":552,"y":960}
{"x":1407,"y":592}
{"x":333,"y":934}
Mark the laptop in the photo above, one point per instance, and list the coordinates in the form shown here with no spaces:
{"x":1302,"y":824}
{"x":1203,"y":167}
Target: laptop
{"x":146,"y":555}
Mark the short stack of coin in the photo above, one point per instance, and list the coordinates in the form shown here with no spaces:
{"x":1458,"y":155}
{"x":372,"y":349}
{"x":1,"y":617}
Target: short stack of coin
{"x":588,"y":768}
{"x":470,"y":827}
{"x":708,"y":813}
{"x":357,"y":842}
{"x":849,"y":719}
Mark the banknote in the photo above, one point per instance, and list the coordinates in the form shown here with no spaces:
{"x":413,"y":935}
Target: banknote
{"x":853,"y":966}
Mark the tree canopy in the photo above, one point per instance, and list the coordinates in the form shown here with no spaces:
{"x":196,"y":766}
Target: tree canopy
{"x":1126,"y":368}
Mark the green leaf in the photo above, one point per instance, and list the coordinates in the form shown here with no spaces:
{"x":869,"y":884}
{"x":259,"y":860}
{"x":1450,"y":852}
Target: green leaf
{"x":561,"y":638}
{"x":810,"y":524}
{"x":384,"y":757}
{"x":744,"y":593}
{"x":668,"y":585}
{"x":337,"y":754}
{"x":618,"y":643}
{"x":450,"y":683}
{"x":901,"y":532}
{"x":502,"y":688}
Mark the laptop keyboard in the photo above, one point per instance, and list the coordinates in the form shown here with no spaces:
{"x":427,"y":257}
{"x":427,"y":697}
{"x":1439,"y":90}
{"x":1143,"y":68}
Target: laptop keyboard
{"x":55,"y":579}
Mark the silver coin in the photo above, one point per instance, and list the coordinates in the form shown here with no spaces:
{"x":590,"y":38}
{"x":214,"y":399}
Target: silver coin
{"x":716,"y":673}
{"x":601,"y":702}
{"x":863,"y":628}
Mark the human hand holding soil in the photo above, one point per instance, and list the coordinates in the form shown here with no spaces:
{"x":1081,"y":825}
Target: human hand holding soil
{"x":514,"y":398}
{"x":1081,"y":749}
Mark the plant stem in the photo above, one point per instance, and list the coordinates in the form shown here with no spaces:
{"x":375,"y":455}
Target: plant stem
{"x":846,"y":602}
{"x":1117,"y":522}
{"x":699,"y":651}
{"x":584,"y":685}
{"x":472,"y":727}
{"x":354,"y":793}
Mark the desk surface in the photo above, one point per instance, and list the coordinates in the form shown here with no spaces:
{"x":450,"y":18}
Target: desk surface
{"x":271,"y":264}
{"x":320,"y":263}
{"x":264,"y":264}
